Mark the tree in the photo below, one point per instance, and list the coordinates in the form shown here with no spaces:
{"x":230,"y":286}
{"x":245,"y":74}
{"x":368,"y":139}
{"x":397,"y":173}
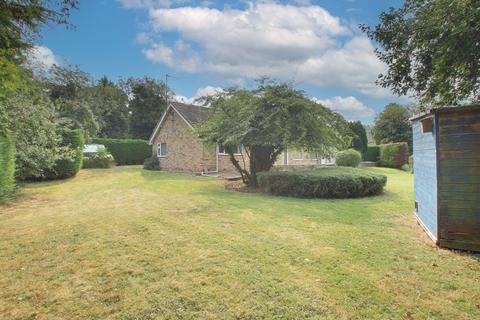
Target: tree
{"x":267,"y":119}
{"x":392,"y":125}
{"x":146,"y":106}
{"x":359,"y":141}
{"x":431,"y":49}
{"x":31,"y":116}
{"x":110,"y":107}
{"x":68,"y":89}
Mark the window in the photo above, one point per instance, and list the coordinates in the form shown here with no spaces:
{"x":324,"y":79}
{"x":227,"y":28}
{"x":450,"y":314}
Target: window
{"x":161,"y":149}
{"x":427,"y":125}
{"x":297,"y":154}
{"x":222,"y":150}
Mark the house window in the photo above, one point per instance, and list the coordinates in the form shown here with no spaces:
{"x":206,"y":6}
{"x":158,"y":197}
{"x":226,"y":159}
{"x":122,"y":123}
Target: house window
{"x":297,"y":154}
{"x":222,"y":150}
{"x":427,"y":125}
{"x":161,"y":149}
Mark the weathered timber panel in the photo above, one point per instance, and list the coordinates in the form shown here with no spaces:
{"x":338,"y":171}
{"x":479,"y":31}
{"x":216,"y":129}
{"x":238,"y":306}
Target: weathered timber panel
{"x":459,"y":180}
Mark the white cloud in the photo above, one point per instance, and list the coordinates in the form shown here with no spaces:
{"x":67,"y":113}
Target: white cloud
{"x":42,"y":58}
{"x":304,"y":44}
{"x":350,"y":107}
{"x":201,"y":92}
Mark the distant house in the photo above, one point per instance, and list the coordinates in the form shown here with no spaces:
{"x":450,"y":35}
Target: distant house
{"x":179,"y":149}
{"x":446,"y":150}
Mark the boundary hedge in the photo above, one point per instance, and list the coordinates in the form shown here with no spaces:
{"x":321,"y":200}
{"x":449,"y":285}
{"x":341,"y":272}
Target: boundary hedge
{"x":373,"y":153}
{"x":7,"y":167}
{"x":326,"y":182}
{"x":126,"y":151}
{"x":394,"y":155}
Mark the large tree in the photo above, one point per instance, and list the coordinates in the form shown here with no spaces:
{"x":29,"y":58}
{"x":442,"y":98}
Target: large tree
{"x":266,"y":120}
{"x":431,"y":48}
{"x":392,"y":125}
{"x":147,"y":104}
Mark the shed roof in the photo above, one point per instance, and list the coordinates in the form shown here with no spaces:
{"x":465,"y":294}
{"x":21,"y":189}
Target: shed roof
{"x":443,"y":110}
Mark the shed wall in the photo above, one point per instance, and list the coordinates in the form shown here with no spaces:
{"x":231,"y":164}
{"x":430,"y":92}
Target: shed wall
{"x":459,"y":177}
{"x":425,"y":178}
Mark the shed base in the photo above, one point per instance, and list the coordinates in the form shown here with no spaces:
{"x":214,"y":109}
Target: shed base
{"x":424,"y":227}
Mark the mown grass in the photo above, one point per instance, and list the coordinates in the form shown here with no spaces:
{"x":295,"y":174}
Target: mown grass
{"x":125,"y":243}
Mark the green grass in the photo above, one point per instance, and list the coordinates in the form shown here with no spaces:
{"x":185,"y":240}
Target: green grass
{"x":125,"y":243}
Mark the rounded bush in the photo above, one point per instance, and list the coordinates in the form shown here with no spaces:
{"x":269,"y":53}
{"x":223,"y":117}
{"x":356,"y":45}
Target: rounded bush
{"x":348,"y":158}
{"x":151,"y":163}
{"x":70,"y":154}
{"x":325,"y":182}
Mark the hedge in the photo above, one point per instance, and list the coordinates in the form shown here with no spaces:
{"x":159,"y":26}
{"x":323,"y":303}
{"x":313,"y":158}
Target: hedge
{"x":393,"y":155}
{"x":72,"y":142}
{"x":348,"y":158}
{"x":126,"y":151}
{"x":325,"y":182}
{"x":7,"y":167}
{"x":373,"y":153}
{"x":151,"y":163}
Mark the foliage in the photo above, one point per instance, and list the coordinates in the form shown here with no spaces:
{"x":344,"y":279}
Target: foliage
{"x":100,"y":159}
{"x":324,"y":182}
{"x":151,"y":163}
{"x":431,"y":48}
{"x":267,"y":119}
{"x":410,"y":163}
{"x":373,"y":153}
{"x":71,"y":154}
{"x":109,"y":104}
{"x":10,"y":73}
{"x":7,"y":167}
{"x":392,"y":125}
{"x":147,"y":105}
{"x":21,"y":20}
{"x":359,"y":141}
{"x":348,"y":158}
{"x":126,"y":151}
{"x":393,"y":155}
{"x":31,"y":118}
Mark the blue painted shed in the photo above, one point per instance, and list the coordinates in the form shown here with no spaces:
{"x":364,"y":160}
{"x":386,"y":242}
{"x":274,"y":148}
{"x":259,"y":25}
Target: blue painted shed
{"x":446,"y":151}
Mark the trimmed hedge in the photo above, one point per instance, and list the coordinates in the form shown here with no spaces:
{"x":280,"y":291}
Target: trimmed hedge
{"x":410,"y":163}
{"x":72,"y":142}
{"x":325,"y":182}
{"x":373,"y":153}
{"x":126,"y":151}
{"x":394,"y":155}
{"x":7,"y":167}
{"x":348,"y":158}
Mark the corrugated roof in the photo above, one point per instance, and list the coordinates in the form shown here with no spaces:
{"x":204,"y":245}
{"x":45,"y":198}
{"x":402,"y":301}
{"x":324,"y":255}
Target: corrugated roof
{"x":193,"y":114}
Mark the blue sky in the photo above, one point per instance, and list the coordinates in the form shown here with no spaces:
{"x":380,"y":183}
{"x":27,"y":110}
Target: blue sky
{"x":213,"y":44}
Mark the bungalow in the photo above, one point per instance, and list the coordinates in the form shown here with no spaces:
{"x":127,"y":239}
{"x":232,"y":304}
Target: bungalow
{"x":179,"y":149}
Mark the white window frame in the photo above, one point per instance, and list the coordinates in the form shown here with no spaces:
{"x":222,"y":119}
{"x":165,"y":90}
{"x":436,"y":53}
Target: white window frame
{"x":159,"y":150}
{"x":239,"y":150}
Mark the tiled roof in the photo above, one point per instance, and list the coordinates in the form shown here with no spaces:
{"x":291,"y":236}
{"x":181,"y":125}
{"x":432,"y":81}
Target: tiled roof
{"x":193,"y":114}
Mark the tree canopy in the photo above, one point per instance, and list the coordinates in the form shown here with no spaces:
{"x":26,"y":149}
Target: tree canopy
{"x":266,"y":120}
{"x":359,"y":140}
{"x":392,"y":125}
{"x":431,"y":48}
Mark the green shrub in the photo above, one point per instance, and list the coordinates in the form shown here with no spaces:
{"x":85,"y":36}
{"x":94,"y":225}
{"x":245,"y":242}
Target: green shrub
{"x":348,"y":158}
{"x":126,"y":151}
{"x":101,"y":159}
{"x":410,"y":163}
{"x":7,"y":167}
{"x":71,"y":154}
{"x":373,"y":153}
{"x":393,"y":155}
{"x":325,"y":182}
{"x":151,"y":163}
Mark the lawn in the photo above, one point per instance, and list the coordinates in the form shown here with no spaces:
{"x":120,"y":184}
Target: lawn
{"x":125,"y":243}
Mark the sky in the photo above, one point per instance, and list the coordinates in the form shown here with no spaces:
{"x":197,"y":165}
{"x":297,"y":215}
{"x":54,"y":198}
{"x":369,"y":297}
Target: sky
{"x":209,"y":45}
